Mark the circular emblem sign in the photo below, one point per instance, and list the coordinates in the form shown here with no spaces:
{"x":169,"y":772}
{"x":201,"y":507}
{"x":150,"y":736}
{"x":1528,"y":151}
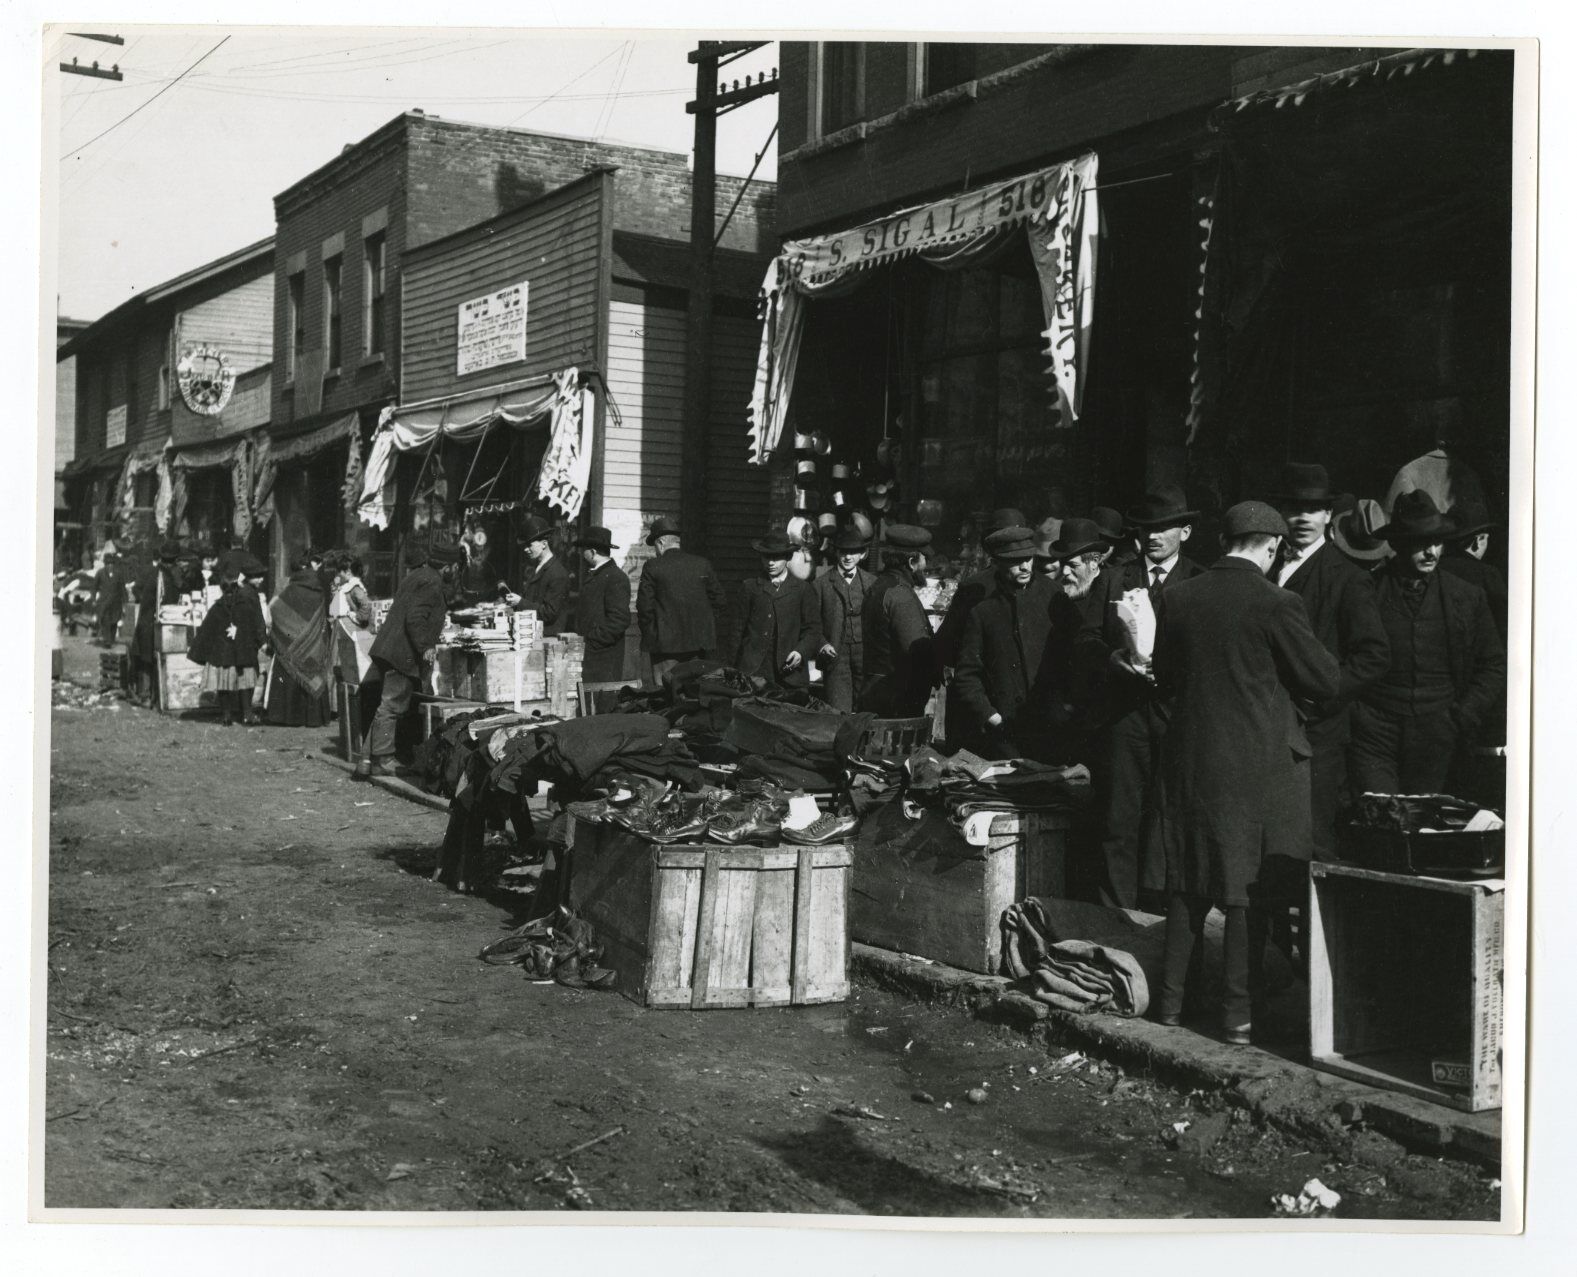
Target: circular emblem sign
{"x":206,"y":379}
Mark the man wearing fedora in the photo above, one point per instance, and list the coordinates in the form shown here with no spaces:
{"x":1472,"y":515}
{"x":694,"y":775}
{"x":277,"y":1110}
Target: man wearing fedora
{"x":1008,"y":680}
{"x":678,"y":602}
{"x":602,"y":614}
{"x":1340,"y":601}
{"x":1120,"y":698}
{"x":1233,"y":656}
{"x":841,"y":588}
{"x":900,"y":656}
{"x":1353,"y":530}
{"x":1448,"y":664}
{"x":780,"y":631}
{"x":1120,"y":547}
{"x":1471,"y":525}
{"x":545,"y":589}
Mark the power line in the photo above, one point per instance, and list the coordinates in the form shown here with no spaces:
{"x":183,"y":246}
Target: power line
{"x":149,"y":102}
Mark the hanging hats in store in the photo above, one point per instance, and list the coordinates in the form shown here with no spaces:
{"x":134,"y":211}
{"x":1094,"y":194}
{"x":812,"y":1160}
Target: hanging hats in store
{"x":906,"y":536}
{"x":1354,"y":532}
{"x":804,"y":444}
{"x":800,"y":530}
{"x":598,"y":539}
{"x":1416,"y":519}
{"x":534,"y":528}
{"x":841,"y":472}
{"x":805,"y":472}
{"x":850,"y":539}
{"x":1164,"y":506}
{"x":826,"y":522}
{"x":1011,"y":543}
{"x":662,"y":526}
{"x":879,"y":494}
{"x":1108,"y":521}
{"x":1253,"y":516}
{"x":775,"y":545}
{"x":806,"y":500}
{"x":1302,"y":483}
{"x":859,"y":519}
{"x":820,"y":443}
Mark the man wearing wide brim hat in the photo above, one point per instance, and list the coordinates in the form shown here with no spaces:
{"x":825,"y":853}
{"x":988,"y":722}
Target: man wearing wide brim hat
{"x":1116,"y":694}
{"x":1117,"y":535}
{"x":1448,"y":663}
{"x":1465,"y":549}
{"x":1010,"y":679}
{"x":545,"y":587}
{"x":1234,"y":657}
{"x":900,"y":660}
{"x":677,"y":602}
{"x":841,"y":588}
{"x":602,"y":613}
{"x":1340,"y":601}
{"x":779,"y":635}
{"x":1353,"y":530}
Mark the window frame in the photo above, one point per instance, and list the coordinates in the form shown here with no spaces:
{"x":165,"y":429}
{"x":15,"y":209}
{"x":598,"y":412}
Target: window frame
{"x":296,"y":322}
{"x":333,"y":312}
{"x":823,"y":85}
{"x":374,"y":290}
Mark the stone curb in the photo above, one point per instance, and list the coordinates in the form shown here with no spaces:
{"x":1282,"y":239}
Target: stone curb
{"x":1295,"y":1098}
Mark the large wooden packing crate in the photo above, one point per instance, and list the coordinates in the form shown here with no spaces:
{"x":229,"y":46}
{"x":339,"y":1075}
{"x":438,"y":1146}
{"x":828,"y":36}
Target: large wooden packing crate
{"x":713,"y":926}
{"x":180,"y":683}
{"x":1405,"y":978}
{"x":920,"y":888}
{"x":175,"y":638}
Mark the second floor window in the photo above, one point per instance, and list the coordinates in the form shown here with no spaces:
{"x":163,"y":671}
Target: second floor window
{"x":332,"y":312}
{"x":948,"y":65}
{"x":296,"y":347}
{"x":132,"y":405}
{"x":842,"y":84}
{"x":372,"y":295}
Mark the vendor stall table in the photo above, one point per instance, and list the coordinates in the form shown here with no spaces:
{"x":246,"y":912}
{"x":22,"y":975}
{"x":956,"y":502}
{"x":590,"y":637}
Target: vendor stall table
{"x":703,"y":925}
{"x":920,"y":888}
{"x":1405,"y":982}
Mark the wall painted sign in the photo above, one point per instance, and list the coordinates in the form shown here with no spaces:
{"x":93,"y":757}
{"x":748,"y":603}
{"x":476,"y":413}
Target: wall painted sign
{"x":115,"y":426}
{"x":206,"y":378}
{"x":491,"y":329}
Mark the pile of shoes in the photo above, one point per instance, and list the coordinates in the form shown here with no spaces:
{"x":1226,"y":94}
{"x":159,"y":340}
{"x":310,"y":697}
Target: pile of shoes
{"x":825,"y":828}
{"x":752,"y":813}
{"x":559,"y":947}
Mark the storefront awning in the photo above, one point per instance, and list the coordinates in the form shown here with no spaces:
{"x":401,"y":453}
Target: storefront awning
{"x":1057,"y":208}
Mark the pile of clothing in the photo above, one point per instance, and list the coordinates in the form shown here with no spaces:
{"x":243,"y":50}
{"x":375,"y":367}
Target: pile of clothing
{"x":1070,"y":973}
{"x":1412,"y":813}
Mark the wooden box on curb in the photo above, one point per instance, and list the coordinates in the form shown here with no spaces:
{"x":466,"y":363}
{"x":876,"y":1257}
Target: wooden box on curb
{"x":180,"y":683}
{"x":706,"y":926}
{"x":1405,"y":982}
{"x":920,"y":888}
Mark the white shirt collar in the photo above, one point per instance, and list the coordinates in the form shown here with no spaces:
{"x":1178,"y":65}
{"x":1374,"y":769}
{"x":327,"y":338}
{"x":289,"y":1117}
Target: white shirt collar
{"x":1166,"y":567}
{"x":1295,"y":560}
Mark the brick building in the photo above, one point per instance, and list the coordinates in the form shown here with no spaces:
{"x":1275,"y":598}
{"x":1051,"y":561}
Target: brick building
{"x":1275,"y":253}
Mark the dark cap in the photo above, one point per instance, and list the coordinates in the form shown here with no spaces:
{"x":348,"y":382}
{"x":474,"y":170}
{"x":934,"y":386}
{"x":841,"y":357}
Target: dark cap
{"x":1163,"y":507}
{"x":1108,"y":521}
{"x":1303,"y":484}
{"x":1077,"y":536}
{"x":1416,"y":518}
{"x":169,"y":552}
{"x":1011,"y":543}
{"x":850,"y":539}
{"x":906,"y":536}
{"x":1469,"y":518}
{"x":598,"y":539}
{"x":1252,"y":516}
{"x":533,"y":528}
{"x":442,"y":554}
{"x":775,"y":545}
{"x":662,"y":526}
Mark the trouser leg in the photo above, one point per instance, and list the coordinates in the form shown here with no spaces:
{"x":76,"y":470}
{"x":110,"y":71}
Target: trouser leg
{"x":1185,"y":924}
{"x":1428,"y":745}
{"x":1236,"y":957}
{"x":398,"y":691}
{"x":1375,"y":750}
{"x":1122,"y":782}
{"x":1327,"y":776}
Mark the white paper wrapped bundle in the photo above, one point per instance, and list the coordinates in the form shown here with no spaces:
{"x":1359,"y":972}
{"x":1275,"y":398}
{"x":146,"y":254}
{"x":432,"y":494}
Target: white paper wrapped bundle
{"x":1136,"y":615}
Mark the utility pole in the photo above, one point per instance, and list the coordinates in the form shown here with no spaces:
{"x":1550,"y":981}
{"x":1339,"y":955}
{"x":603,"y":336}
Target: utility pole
{"x":71,"y":68}
{"x":711,"y":100}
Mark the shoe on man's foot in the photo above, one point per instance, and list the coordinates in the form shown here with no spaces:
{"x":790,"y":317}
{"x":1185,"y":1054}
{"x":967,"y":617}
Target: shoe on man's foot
{"x":1242,"y":1035}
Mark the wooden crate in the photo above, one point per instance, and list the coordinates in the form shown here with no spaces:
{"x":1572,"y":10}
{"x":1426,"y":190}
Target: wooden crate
{"x":434,"y":714}
{"x":180,"y":683}
{"x":920,"y":888}
{"x":490,"y":677}
{"x":706,"y":926}
{"x":1405,"y":982}
{"x":174,"y":638}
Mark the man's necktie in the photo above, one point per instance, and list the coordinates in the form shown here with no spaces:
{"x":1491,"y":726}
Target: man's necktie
{"x":1157,"y":574}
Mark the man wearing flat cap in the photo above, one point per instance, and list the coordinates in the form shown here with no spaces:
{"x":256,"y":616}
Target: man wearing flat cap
{"x":1120,"y":699}
{"x":678,"y":602}
{"x":1234,"y":655}
{"x":1448,"y":663}
{"x":1339,"y":598}
{"x":968,"y":595}
{"x":900,"y":656}
{"x":406,"y":644}
{"x":545,"y":589}
{"x":780,"y":633}
{"x":1007,"y":679}
{"x":602,"y":613}
{"x":840,"y":595}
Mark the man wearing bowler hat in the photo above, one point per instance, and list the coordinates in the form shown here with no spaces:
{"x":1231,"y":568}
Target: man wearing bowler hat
{"x":1448,"y":664}
{"x":545,"y":589}
{"x":1233,"y":656}
{"x":780,"y":631}
{"x":677,"y":601}
{"x":1120,"y":696}
{"x":967,"y":595}
{"x":602,"y":614}
{"x":900,"y":657}
{"x":1121,"y":549}
{"x":1340,"y":601}
{"x":1465,"y":552}
{"x":840,"y":595}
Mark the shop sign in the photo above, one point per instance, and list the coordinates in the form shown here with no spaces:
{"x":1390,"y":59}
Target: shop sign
{"x":206,"y":379}
{"x":492,"y":330}
{"x":115,"y":426}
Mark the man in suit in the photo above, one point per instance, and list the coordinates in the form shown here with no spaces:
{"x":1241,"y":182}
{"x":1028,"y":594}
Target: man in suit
{"x":1233,"y":656}
{"x":158,"y":584}
{"x":111,"y":597}
{"x":900,"y":656}
{"x":1471,"y":524}
{"x":1008,"y":671}
{"x":1340,"y":601}
{"x":840,"y":594}
{"x":1448,"y":664}
{"x":780,"y":633}
{"x":969,"y":593}
{"x":545,"y":589}
{"x":1121,"y":702}
{"x":677,"y":602}
{"x":602,"y":615}
{"x":406,"y":645}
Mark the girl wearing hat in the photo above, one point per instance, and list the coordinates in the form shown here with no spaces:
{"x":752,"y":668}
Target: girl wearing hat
{"x":226,"y":646}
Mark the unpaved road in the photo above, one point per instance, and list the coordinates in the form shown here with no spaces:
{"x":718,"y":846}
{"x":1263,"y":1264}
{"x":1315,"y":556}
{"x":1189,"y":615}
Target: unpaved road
{"x":257,"y":1001}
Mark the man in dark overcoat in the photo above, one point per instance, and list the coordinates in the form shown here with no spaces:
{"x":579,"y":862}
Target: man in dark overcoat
{"x":602,"y":615}
{"x":111,"y":601}
{"x":158,"y":584}
{"x":1470,"y":529}
{"x":1340,"y":600}
{"x":1007,"y":672}
{"x":1120,"y":698}
{"x":546,"y":585}
{"x":970,"y":592}
{"x":406,"y":645}
{"x":781,"y":631}
{"x":840,"y":594}
{"x":900,"y":656}
{"x":1448,"y":664}
{"x":677,"y":602}
{"x":1233,"y":656}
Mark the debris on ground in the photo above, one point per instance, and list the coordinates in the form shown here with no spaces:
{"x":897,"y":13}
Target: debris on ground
{"x":1313,"y":1199}
{"x":976,"y":1095}
{"x":861,"y":1111}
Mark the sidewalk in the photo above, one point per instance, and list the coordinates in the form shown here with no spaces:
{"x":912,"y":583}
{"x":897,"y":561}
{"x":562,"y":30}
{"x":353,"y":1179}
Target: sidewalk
{"x":1289,"y":1095}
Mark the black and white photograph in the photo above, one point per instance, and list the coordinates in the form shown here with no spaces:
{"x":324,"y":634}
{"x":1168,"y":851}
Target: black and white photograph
{"x":832,"y":626}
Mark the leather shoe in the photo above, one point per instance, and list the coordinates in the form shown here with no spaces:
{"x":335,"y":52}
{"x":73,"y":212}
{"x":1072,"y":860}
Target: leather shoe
{"x":1242,"y":1035}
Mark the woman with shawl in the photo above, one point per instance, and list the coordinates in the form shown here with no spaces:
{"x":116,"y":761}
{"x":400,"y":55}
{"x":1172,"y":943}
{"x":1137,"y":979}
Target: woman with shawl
{"x":298,"y":691}
{"x":226,"y":646}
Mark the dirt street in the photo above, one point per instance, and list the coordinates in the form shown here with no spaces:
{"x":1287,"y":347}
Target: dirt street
{"x":256,"y":1000}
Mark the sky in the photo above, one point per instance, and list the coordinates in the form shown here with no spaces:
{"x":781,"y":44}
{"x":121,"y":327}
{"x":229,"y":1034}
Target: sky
{"x":179,"y":163}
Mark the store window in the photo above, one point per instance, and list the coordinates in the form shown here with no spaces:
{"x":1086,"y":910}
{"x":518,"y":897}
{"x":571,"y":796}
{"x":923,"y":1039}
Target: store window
{"x":332,"y":312}
{"x":133,"y":406}
{"x":947,"y":66}
{"x":372,"y":290}
{"x":296,"y":349}
{"x":842,"y":84}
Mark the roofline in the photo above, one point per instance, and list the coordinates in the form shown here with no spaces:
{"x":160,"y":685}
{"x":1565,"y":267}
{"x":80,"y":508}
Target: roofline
{"x":744,"y":255}
{"x":347,"y":154}
{"x":422,"y":250}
